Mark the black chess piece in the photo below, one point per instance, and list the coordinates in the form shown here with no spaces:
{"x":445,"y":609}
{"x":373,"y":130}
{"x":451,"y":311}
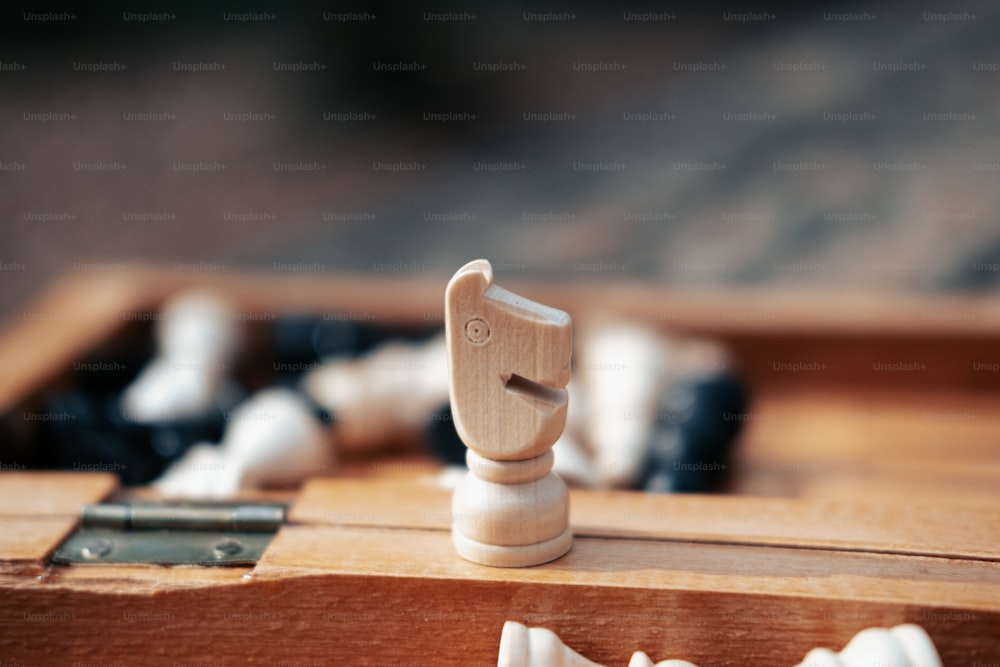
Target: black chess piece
{"x":442,"y":438}
{"x":694,"y":434}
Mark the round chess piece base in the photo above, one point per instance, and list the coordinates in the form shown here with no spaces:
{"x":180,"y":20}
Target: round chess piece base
{"x":511,"y":513}
{"x":524,"y":555}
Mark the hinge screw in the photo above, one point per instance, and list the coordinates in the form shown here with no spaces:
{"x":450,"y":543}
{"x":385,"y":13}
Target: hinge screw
{"x":96,"y":549}
{"x":227,"y":547}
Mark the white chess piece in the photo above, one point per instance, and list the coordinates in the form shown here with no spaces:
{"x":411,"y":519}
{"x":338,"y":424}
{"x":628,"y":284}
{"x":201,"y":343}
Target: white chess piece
{"x":620,"y":370}
{"x":521,"y":646}
{"x":272,"y":439}
{"x":624,"y":369}
{"x":384,"y":396}
{"x":902,"y":646}
{"x":197,"y":338}
{"x":640,"y":659}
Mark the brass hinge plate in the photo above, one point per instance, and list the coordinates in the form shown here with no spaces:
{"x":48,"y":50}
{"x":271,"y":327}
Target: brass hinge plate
{"x":172,"y":534}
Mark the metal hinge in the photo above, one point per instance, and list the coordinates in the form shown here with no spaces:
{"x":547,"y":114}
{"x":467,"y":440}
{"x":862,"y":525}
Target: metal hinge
{"x":172,"y":534}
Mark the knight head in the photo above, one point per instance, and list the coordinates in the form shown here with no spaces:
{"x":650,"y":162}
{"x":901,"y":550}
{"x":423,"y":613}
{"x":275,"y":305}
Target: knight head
{"x":509,"y":363}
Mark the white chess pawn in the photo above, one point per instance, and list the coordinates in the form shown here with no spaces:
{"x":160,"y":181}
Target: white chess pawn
{"x":272,"y":439}
{"x":197,"y":338}
{"x":902,"y":646}
{"x":621,"y":372}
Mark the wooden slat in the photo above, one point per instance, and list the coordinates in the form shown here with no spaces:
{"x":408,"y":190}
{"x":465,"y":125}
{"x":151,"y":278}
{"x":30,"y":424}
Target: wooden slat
{"x":915,"y":448}
{"x":963,"y":485}
{"x":30,"y":540}
{"x":373,"y":596}
{"x":38,"y":511}
{"x":142,"y":580}
{"x":836,"y":426}
{"x":27,"y":494}
{"x":882,"y":527}
{"x":643,"y":564}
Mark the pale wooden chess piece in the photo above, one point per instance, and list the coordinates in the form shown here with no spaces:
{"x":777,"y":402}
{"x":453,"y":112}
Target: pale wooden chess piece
{"x":509,"y":364}
{"x":902,"y":646}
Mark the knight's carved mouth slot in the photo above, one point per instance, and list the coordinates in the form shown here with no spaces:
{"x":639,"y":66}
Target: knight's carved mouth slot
{"x":535,"y":390}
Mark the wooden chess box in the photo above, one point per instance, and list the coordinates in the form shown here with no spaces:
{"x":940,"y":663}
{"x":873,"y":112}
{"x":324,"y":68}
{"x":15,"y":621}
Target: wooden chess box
{"x":864,"y":494}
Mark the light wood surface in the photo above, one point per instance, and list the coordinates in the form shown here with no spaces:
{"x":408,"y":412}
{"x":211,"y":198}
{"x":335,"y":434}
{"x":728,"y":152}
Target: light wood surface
{"x":904,"y":526}
{"x":353,"y":569}
{"x":508,"y":367}
{"x":931,"y":448}
{"x":38,"y":510}
{"x":27,"y":494}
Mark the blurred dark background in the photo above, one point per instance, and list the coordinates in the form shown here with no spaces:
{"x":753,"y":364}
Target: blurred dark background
{"x":840,"y":146}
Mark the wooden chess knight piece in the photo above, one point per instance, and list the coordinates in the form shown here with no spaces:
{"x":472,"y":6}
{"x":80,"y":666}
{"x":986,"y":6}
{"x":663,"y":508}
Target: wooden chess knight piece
{"x":509,"y":363}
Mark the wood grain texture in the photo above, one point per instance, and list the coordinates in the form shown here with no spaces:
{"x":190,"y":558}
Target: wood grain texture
{"x":902,"y":646}
{"x":366,"y":596}
{"x":25,"y":494}
{"x":38,"y":510}
{"x":924,"y":448}
{"x":882,"y":527}
{"x":378,"y":592}
{"x":27,"y":541}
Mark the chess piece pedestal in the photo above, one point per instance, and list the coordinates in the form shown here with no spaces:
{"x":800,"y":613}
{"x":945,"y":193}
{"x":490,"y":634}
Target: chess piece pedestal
{"x":511,"y":513}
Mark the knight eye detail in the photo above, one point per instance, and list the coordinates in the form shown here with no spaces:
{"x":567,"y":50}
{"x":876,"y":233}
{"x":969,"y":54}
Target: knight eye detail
{"x":477,"y":331}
